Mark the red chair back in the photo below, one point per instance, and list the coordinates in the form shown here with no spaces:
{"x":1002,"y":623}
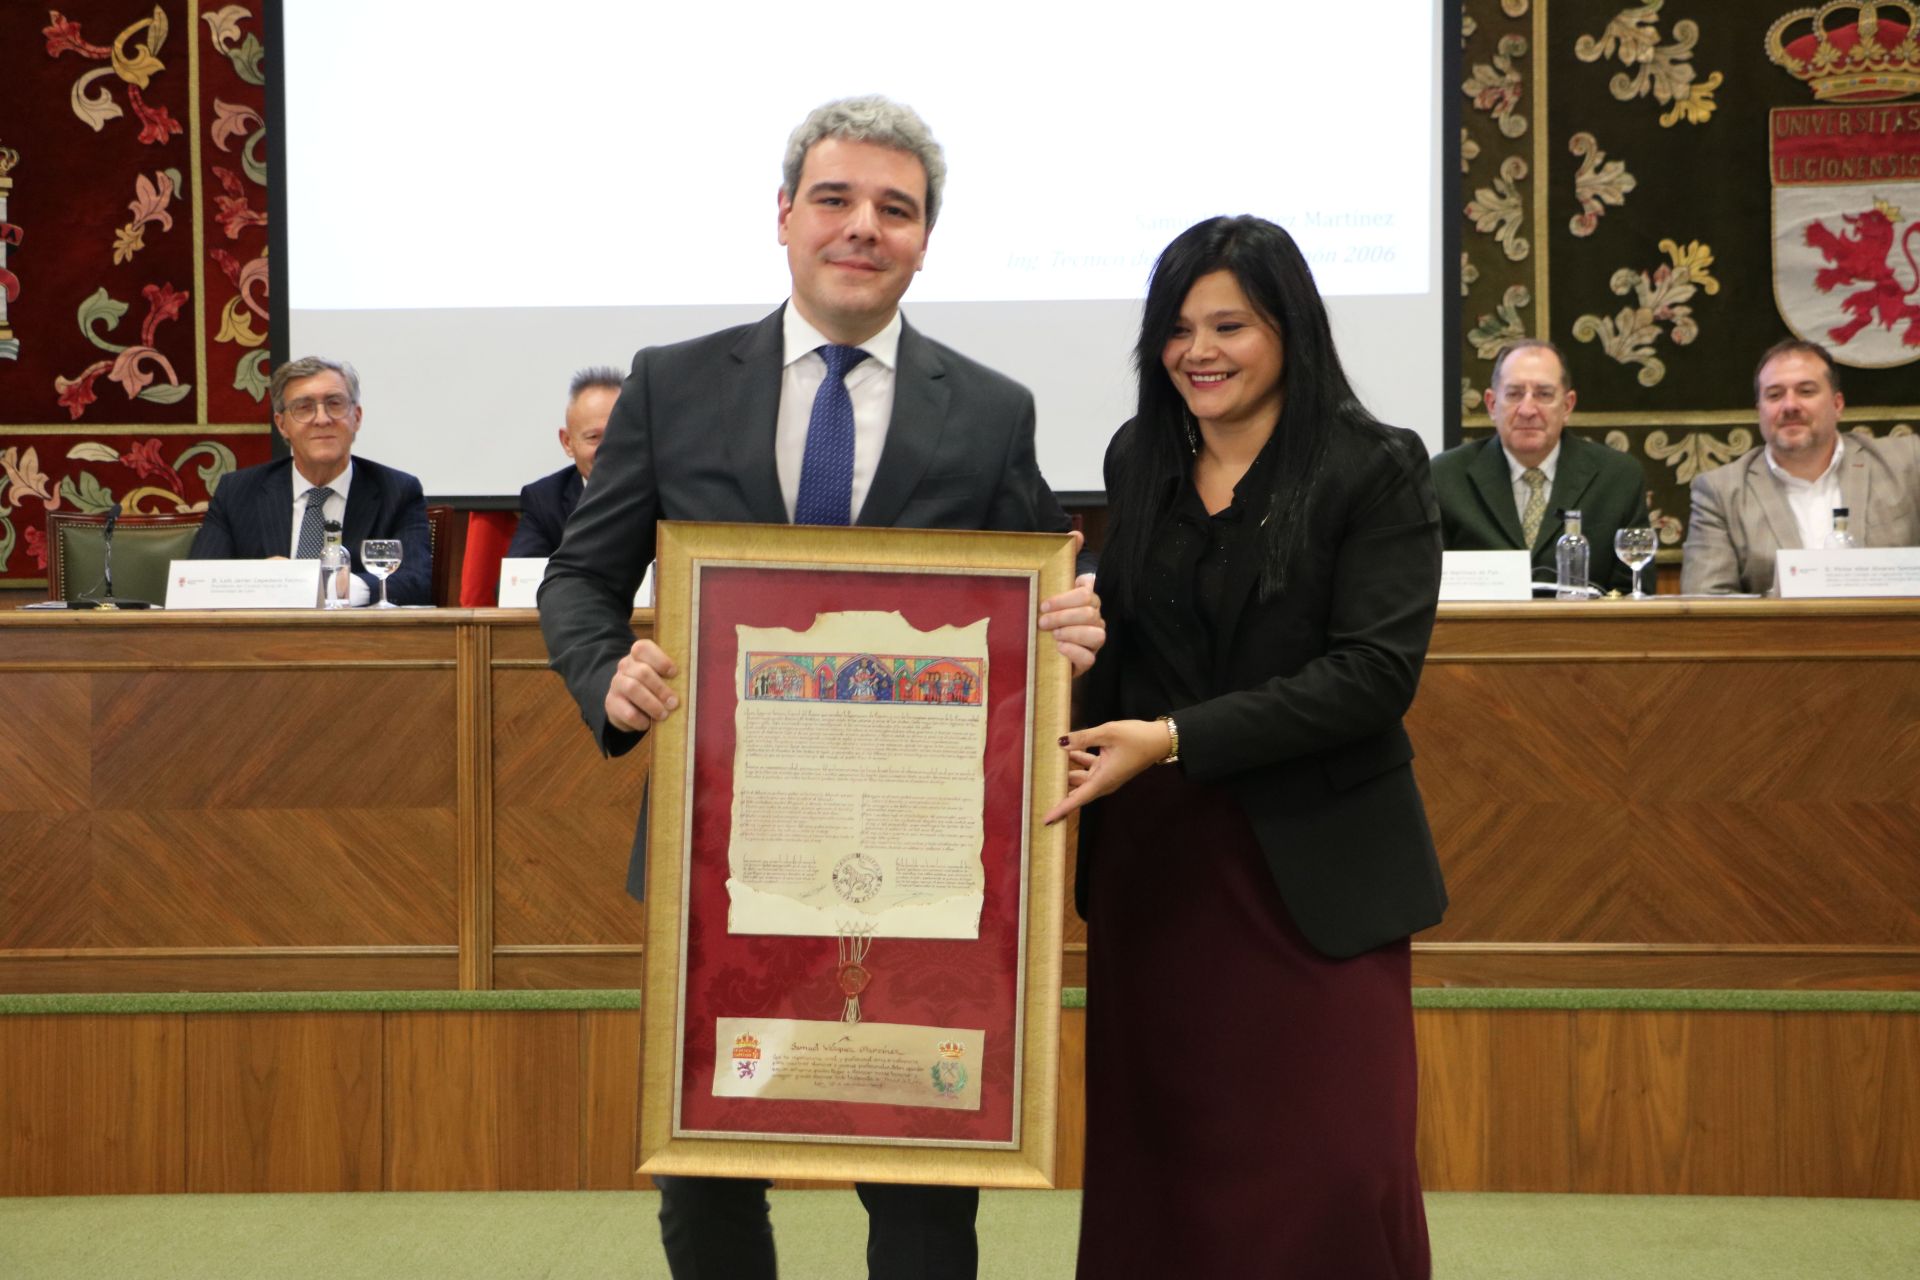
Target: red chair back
{"x":489,"y":533}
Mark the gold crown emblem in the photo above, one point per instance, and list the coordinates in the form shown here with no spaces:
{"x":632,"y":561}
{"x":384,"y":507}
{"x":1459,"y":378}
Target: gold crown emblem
{"x":1866,"y":60}
{"x":746,"y":1046}
{"x":952,"y":1049}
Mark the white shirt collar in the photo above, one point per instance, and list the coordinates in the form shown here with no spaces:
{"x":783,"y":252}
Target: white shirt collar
{"x":1787,"y":477}
{"x":803,"y":339}
{"x":339,"y":484}
{"x":1517,"y":468}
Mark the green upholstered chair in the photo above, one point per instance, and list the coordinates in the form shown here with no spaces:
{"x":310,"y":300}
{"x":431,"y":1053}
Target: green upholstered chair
{"x":143,"y":546}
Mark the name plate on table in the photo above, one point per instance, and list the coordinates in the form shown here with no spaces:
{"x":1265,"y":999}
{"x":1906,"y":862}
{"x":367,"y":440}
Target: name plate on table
{"x":520,"y":583}
{"x":243,"y":584}
{"x":1486,"y":575}
{"x":1864,"y":571}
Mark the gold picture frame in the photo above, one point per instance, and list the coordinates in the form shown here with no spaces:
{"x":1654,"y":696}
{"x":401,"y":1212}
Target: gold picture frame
{"x":708,"y":576}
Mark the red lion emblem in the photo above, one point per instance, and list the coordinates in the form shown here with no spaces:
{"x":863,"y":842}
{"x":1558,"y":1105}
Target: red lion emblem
{"x":1865,"y":256}
{"x":9,"y":282}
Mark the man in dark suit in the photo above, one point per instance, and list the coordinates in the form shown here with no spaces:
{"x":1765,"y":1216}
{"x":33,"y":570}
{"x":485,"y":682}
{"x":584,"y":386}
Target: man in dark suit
{"x":832,"y":410}
{"x":1505,"y":493}
{"x":547,"y":502}
{"x":279,"y":508}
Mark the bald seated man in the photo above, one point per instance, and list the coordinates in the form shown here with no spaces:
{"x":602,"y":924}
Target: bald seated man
{"x":547,"y":502}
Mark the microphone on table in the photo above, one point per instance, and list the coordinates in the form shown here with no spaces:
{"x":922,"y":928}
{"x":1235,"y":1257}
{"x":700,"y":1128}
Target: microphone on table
{"x":106,"y":537}
{"x":106,"y":572}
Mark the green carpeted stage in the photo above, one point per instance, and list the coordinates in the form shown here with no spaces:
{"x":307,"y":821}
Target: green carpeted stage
{"x":1024,"y":1235}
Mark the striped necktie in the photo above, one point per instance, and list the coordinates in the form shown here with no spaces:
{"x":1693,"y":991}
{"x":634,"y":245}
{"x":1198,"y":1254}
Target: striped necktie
{"x":1536,"y":507}
{"x":313,"y":524}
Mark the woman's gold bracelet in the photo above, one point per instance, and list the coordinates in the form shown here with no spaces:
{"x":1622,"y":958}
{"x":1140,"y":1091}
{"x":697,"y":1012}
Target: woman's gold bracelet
{"x":1173,"y":739}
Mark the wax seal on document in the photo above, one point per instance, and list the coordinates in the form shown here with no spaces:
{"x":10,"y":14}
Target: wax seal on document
{"x":854,"y":979}
{"x":856,"y":877}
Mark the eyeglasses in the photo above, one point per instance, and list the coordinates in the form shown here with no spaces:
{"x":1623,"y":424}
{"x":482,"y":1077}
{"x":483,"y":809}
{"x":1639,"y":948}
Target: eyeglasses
{"x":304,"y":411}
{"x":1544,"y":394}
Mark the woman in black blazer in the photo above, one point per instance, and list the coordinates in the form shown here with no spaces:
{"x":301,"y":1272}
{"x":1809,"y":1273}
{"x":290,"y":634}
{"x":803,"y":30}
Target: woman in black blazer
{"x":1259,"y":854}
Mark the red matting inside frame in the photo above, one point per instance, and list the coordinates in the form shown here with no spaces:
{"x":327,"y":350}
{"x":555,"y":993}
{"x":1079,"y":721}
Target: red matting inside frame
{"x":946,"y":983}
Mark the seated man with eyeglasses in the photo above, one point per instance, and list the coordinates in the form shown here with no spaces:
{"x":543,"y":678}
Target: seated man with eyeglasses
{"x":1505,"y":493}
{"x":280,"y":508}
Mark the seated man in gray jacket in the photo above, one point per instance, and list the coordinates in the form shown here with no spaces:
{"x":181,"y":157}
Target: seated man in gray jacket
{"x":1783,"y":494}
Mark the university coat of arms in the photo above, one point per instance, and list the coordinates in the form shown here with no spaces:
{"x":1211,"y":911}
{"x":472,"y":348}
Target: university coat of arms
{"x":1846,"y":181}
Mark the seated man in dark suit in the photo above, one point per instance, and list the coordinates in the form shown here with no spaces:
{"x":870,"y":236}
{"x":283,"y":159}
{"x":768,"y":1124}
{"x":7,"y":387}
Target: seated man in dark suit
{"x":279,"y":508}
{"x":1504,"y":493}
{"x":547,"y":502}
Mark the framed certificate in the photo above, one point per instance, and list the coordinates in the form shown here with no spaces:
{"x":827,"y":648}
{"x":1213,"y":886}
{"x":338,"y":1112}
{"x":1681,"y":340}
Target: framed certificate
{"x":853,"y":910}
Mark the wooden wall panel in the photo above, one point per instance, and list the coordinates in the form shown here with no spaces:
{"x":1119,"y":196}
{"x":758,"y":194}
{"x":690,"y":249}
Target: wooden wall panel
{"x":1691,"y":630}
{"x":476,"y":1102}
{"x":563,"y":820}
{"x":1675,"y":1103}
{"x":1810,"y":872}
{"x":283,"y":1102}
{"x":92,"y":1105}
{"x":1689,"y":801}
{"x":1510,"y":1100}
{"x":473,"y":731}
{"x":305,"y":739}
{"x":1496,"y":1094}
{"x":610,"y":1050}
{"x":517,"y":640}
{"x":302,"y":639}
{"x":236,"y":969}
{"x":44,"y":764}
{"x":545,"y":756}
{"x":46,"y":879}
{"x":1752,"y":737}
{"x":1521,"y":872}
{"x":1070,"y":1150}
{"x":1510,"y":732}
{"x":612,"y":968}
{"x":1678,"y":966}
{"x":1850,"y":1116}
{"x":290,"y":878}
{"x":560,"y":876}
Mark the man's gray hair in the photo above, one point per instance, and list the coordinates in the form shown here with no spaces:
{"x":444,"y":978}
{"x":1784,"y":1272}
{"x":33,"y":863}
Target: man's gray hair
{"x":306,"y":367}
{"x":869,"y":119}
{"x":1532,"y":344}
{"x":594,"y":375}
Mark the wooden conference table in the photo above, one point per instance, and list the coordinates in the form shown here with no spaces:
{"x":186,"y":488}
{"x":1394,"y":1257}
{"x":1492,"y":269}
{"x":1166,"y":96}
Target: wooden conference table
{"x":1663,"y":796}
{"x":1647,"y":794}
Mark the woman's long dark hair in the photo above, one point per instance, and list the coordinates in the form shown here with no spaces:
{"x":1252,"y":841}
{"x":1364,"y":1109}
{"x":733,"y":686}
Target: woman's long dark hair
{"x":1318,"y":399}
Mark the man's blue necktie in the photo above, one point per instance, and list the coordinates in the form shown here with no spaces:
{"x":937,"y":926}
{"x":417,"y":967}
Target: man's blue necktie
{"x":826,"y":469}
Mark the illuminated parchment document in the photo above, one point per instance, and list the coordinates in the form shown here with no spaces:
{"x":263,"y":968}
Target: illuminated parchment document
{"x":858,"y":782}
{"x":885,"y":1062}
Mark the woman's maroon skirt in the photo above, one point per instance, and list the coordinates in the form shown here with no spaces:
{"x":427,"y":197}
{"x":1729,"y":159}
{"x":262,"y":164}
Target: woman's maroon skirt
{"x":1250,"y":1102}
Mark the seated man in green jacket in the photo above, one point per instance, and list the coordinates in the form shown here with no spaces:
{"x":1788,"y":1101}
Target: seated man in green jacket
{"x":1506,"y":493}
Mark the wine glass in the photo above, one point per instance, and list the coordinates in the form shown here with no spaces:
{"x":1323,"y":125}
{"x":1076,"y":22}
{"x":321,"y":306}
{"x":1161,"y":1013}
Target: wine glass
{"x":382,"y":557}
{"x":1635,"y":548}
